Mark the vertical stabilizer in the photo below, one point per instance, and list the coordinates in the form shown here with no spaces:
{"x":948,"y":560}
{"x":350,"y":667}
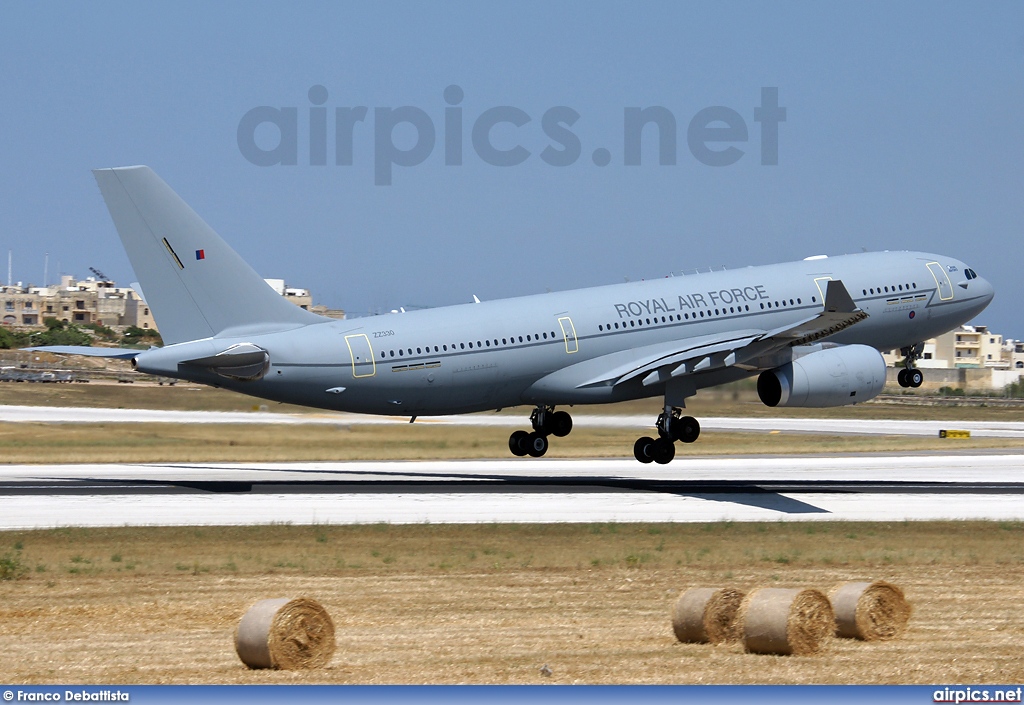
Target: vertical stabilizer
{"x":195,"y":284}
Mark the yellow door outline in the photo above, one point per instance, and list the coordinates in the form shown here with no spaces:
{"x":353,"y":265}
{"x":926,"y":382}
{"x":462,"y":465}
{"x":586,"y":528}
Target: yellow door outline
{"x":359,"y":352}
{"x":572,"y":345}
{"x":938,"y":284}
{"x":821,"y":292}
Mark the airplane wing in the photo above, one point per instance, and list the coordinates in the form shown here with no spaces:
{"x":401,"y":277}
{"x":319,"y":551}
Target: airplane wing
{"x":660,"y":363}
{"x":838,"y":313}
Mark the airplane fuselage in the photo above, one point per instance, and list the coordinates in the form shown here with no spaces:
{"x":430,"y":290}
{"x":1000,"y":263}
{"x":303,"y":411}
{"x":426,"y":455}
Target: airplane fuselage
{"x":543,"y":349}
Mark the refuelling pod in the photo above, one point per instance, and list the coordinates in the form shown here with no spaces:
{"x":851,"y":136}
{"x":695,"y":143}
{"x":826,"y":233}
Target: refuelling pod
{"x":245,"y":362}
{"x":831,"y":377}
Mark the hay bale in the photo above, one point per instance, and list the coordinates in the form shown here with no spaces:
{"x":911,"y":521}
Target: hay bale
{"x":707,"y":615}
{"x":870,"y":611}
{"x":284,"y":633}
{"x":786,"y":621}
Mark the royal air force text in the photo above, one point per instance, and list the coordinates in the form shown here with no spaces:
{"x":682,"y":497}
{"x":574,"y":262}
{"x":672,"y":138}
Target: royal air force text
{"x":692,"y":302}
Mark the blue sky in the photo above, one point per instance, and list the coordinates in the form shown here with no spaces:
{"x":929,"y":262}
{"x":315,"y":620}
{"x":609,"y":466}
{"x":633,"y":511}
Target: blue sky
{"x":902,"y":131}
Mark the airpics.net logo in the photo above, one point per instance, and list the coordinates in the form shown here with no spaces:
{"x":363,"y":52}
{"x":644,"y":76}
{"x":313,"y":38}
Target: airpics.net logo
{"x":407,"y":136}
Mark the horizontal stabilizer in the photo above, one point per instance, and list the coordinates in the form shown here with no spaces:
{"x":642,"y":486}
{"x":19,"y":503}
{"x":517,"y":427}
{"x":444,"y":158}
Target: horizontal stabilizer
{"x":113,"y":353}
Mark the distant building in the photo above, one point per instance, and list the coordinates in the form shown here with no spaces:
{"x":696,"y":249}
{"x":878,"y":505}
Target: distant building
{"x":966,"y":347}
{"x":303,"y":299}
{"x":92,"y":300}
{"x":75,"y":301}
{"x":974,"y":346}
{"x":972,"y":356}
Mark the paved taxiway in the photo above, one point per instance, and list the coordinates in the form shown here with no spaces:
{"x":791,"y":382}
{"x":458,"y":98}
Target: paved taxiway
{"x":883,"y":427}
{"x":851,"y":487}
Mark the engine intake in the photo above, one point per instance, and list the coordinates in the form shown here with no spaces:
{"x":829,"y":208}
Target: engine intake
{"x":829,"y":377}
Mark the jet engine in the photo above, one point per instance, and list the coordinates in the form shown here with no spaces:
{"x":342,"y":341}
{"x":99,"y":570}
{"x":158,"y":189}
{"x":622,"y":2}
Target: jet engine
{"x":828,"y":377}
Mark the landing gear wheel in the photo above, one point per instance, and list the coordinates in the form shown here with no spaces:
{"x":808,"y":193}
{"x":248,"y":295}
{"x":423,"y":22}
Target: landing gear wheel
{"x":536,"y":444}
{"x":642,"y":449}
{"x":560,"y":424}
{"x":685,"y":429}
{"x":910,"y":376}
{"x":663,"y":450}
{"x":517,"y":443}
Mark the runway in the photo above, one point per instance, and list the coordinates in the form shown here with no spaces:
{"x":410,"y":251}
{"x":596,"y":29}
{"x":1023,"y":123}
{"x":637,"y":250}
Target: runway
{"x":880,"y":427}
{"x":850,"y":487}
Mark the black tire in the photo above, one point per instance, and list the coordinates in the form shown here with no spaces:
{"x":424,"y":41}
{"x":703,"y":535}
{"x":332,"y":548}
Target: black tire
{"x":517,"y":443}
{"x":536,"y":444}
{"x":560,"y":424}
{"x":915,"y":378}
{"x":642,"y":449}
{"x":901,"y":377}
{"x":663,"y":451}
{"x":685,"y":429}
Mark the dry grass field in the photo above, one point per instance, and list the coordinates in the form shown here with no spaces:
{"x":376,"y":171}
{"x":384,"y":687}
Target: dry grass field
{"x":494,"y":603}
{"x":485,"y":603}
{"x":140,"y":443}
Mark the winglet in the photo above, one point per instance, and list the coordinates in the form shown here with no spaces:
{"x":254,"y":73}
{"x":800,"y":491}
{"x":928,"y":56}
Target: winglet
{"x":838,"y":299}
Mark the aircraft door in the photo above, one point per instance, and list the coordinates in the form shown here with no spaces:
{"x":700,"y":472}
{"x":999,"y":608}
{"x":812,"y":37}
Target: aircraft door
{"x":822,"y":284}
{"x":572,"y":345}
{"x":941,"y":281}
{"x":363,"y":363}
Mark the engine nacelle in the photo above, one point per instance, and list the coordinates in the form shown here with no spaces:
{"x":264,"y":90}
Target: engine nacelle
{"x":829,"y":377}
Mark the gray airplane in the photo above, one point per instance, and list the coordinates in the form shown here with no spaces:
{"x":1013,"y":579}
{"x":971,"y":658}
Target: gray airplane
{"x":811,"y":330}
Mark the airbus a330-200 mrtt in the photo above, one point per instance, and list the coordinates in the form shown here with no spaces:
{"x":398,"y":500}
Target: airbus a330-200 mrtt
{"x":812,"y":330}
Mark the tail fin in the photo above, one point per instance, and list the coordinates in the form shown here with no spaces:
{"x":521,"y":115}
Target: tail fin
{"x":196,"y":285}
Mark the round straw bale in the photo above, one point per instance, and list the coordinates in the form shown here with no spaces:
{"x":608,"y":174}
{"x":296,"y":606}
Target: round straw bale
{"x":707,"y":615}
{"x":786,"y":621}
{"x":870,"y":611}
{"x":284,"y":633}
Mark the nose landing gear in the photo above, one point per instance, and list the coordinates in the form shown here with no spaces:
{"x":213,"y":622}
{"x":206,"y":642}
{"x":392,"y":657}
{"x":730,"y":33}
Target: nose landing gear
{"x":672,"y":427}
{"x":546,"y":422}
{"x":910,"y":376}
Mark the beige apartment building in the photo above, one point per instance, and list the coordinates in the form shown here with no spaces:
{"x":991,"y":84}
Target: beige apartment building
{"x":970,"y":357}
{"x":75,"y":301}
{"x":84,"y":301}
{"x":967,"y":347}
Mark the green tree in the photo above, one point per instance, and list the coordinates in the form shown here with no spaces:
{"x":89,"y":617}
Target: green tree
{"x":60,"y":333}
{"x":12,"y":339}
{"x":101,"y":331}
{"x":133,"y":335}
{"x":1015,"y":390}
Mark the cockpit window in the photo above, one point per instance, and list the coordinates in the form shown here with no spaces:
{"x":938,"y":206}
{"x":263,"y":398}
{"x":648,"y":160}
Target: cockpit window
{"x":971,"y":274}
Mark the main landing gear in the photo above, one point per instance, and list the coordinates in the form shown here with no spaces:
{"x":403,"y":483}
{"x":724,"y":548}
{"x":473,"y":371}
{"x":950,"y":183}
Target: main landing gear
{"x":910,"y":376}
{"x":546,"y":422}
{"x":672,"y":427}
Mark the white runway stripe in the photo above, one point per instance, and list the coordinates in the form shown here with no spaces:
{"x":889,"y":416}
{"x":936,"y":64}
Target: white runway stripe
{"x":975,"y":486}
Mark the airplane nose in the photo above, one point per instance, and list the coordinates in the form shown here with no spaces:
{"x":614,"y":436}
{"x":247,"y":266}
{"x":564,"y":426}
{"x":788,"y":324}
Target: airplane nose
{"x":983,"y":293}
{"x":988,"y":293}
